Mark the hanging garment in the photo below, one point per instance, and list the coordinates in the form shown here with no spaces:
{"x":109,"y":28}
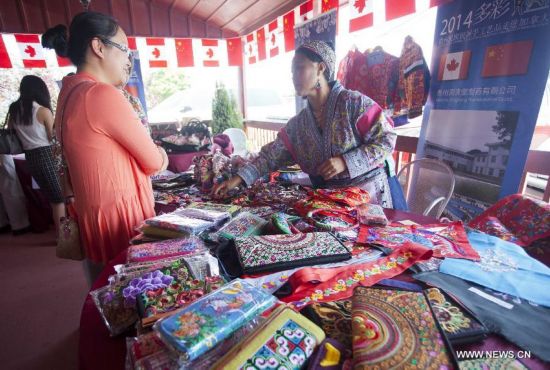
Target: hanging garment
{"x":414,"y":78}
{"x":382,"y":78}
{"x":504,"y":267}
{"x":521,"y":322}
{"x":352,"y":71}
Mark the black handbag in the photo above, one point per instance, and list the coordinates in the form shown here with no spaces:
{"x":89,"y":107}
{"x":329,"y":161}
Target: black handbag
{"x":9,"y":142}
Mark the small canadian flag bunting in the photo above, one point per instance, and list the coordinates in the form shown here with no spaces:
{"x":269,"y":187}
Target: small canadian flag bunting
{"x":5,"y":61}
{"x":210,"y":54}
{"x":156,"y":52}
{"x":251,"y":49}
{"x":361,"y":14}
{"x":306,"y":12}
{"x":275,"y":37}
{"x":31,"y":51}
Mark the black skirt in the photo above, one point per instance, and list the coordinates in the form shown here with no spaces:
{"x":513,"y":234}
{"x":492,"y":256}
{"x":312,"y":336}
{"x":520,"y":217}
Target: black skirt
{"x":43,"y":169}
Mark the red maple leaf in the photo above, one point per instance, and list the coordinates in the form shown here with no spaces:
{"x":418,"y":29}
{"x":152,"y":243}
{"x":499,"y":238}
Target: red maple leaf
{"x":360,"y":5}
{"x":30,"y":50}
{"x":156,"y":53}
{"x":210,"y":53}
{"x":453,"y":65}
{"x":273,"y":38}
{"x":250,"y":49}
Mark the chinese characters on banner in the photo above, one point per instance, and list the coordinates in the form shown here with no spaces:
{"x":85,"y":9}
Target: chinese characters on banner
{"x":491,"y":59}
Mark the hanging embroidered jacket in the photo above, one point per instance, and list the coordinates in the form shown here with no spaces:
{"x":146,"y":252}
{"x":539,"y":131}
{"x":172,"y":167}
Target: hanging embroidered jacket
{"x":414,"y":78}
{"x":354,"y":128}
{"x":352,"y":71}
{"x":382,"y":78}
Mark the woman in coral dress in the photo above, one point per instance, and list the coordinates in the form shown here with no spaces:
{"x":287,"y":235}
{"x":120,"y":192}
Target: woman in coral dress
{"x":109,"y":154}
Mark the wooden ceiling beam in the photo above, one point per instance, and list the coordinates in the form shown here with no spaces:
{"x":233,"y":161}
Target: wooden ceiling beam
{"x":223,"y":26}
{"x":216,"y":10}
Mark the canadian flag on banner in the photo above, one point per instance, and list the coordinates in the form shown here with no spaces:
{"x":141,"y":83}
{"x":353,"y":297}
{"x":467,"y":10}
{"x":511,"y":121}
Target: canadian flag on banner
{"x":454,"y":66}
{"x":251,"y":49}
{"x":156,"y":52}
{"x":31,"y":51}
{"x":306,"y":12}
{"x":274,"y":37}
{"x":399,"y":8}
{"x":360,"y":14}
{"x":260,"y":41}
{"x":235,"y":51}
{"x":288,"y":30}
{"x":184,"y":52}
{"x":5,"y":61}
{"x":210,"y":55}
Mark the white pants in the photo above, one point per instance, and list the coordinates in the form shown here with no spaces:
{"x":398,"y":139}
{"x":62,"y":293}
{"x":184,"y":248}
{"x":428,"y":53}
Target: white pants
{"x":13,"y":209}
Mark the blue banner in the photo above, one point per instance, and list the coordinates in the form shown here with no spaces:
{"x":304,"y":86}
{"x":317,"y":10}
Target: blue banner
{"x":321,"y":28}
{"x":135,"y":83}
{"x":489,"y":70}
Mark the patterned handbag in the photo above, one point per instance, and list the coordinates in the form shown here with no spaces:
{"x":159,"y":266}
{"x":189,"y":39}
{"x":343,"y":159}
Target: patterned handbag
{"x":396,"y":329}
{"x":281,"y":252}
{"x":9,"y":142}
{"x":285,"y":341}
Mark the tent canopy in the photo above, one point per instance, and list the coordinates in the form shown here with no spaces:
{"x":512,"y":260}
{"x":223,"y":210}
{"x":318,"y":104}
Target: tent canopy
{"x":163,"y":18}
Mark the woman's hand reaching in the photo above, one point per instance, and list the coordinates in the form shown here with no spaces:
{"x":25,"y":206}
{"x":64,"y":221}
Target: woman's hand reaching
{"x":220,"y":190}
{"x":332,"y":167}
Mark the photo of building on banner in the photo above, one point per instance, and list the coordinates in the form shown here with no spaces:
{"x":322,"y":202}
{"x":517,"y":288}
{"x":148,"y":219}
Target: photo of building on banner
{"x":490,"y":67}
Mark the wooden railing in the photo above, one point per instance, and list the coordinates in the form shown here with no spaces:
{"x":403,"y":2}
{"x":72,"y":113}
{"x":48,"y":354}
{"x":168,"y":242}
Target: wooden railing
{"x":538,"y":162}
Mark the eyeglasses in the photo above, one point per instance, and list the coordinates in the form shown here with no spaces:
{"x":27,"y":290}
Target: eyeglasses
{"x":120,"y":47}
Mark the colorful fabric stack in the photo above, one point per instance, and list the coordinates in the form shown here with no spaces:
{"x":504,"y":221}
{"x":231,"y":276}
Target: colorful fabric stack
{"x":177,"y":221}
{"x":164,"y":249}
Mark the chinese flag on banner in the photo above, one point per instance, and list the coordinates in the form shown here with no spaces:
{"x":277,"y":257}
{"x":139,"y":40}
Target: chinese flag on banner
{"x":184,"y":52}
{"x":235,"y":51}
{"x":63,"y":62}
{"x":439,"y":2}
{"x":360,"y":14}
{"x":507,"y":59}
{"x":260,"y":39}
{"x":251,"y":49}
{"x":399,"y":8}
{"x":288,"y":30}
{"x":209,"y":54}
{"x":31,"y":51}
{"x":454,"y":66}
{"x":327,"y":5}
{"x":306,"y":12}
{"x":132,"y":45}
{"x":156,"y":52}
{"x":274,"y":37}
{"x":5,"y":61}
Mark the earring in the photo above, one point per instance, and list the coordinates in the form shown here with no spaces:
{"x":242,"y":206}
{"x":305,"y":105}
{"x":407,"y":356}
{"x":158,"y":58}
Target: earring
{"x":318,"y":85}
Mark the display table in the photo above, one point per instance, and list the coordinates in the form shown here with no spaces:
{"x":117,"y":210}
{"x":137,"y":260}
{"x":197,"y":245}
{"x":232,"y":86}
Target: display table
{"x":97,"y":350}
{"x":180,"y":162}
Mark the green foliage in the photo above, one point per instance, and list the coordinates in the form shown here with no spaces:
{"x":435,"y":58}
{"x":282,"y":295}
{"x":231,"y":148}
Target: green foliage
{"x":506,"y":126}
{"x":163,"y":83}
{"x":225,"y":113}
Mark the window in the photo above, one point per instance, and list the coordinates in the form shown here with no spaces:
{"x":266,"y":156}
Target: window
{"x":501,"y":173}
{"x":505,"y":160}
{"x":493,"y":158}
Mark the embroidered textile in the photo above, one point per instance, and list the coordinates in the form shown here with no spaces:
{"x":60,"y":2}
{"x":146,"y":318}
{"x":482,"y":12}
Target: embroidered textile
{"x":342,"y":280}
{"x":446,"y":240}
{"x":164,"y":249}
{"x":519,"y":321}
{"x":285,"y":341}
{"x":382,"y":78}
{"x":371,"y":214}
{"x":245,"y":224}
{"x":176,"y":221}
{"x":414,"y":78}
{"x":334,"y":318}
{"x":275,"y":252}
{"x":505,"y":267}
{"x":355,"y":128}
{"x":229,"y":208}
{"x":515,"y":218}
{"x":459,"y":325}
{"x":491,"y":364}
{"x":209,"y":320}
{"x":396,"y":329}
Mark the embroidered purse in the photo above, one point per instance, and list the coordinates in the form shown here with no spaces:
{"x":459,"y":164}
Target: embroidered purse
{"x":245,"y":224}
{"x":459,"y":325}
{"x":396,"y":329}
{"x":286,"y":340}
{"x":281,"y":252}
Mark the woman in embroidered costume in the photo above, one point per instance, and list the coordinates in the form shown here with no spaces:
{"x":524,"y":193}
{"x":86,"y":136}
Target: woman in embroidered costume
{"x":341,"y":138}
